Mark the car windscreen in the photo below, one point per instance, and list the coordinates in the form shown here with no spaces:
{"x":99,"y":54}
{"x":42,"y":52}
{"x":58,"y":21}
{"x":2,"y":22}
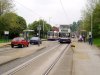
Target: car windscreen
{"x":18,"y":39}
{"x":34,"y":38}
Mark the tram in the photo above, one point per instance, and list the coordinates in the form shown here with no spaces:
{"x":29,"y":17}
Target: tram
{"x":53,"y":35}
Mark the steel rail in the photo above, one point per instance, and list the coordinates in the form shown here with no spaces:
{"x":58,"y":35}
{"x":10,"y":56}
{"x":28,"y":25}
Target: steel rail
{"x":12,"y":49}
{"x":54,"y":63}
{"x":18,"y":68}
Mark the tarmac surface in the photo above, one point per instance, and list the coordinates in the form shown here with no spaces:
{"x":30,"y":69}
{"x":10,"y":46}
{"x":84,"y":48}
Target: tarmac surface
{"x":18,"y":53}
{"x":86,"y":59}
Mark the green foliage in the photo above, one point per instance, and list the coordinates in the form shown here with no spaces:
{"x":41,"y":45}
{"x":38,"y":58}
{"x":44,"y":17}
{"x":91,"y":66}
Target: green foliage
{"x":73,"y":27}
{"x":45,"y":27}
{"x":96,"y":21}
{"x":5,"y":6}
{"x":92,"y":11}
{"x":12,"y":23}
{"x":96,"y":41}
{"x":76,"y":26}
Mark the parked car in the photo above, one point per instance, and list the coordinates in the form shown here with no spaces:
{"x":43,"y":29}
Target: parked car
{"x":35,"y":40}
{"x":20,"y":42}
{"x":65,"y":40}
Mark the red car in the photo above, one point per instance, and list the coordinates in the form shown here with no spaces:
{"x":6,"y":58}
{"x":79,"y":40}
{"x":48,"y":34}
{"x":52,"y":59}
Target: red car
{"x":20,"y":42}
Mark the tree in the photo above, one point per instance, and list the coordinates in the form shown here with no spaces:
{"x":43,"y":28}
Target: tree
{"x":96,"y":21}
{"x":5,"y":6}
{"x":73,"y":27}
{"x":45,"y":27}
{"x":21,"y":22}
{"x":92,"y":13}
{"x":76,"y":26}
{"x":13,"y":23}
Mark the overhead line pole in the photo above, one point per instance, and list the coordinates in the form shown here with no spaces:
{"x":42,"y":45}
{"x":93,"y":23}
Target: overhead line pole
{"x":91,"y":25}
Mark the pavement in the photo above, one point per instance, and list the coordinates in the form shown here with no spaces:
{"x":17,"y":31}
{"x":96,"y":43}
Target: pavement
{"x":5,"y":44}
{"x":86,"y":59}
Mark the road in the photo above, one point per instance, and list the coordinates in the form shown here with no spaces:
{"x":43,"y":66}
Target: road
{"x":54,"y":59}
{"x":8,"y":54}
{"x":36,"y":63}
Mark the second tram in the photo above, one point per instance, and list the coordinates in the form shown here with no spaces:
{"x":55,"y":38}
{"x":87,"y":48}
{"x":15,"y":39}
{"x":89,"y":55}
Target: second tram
{"x":52,"y":35}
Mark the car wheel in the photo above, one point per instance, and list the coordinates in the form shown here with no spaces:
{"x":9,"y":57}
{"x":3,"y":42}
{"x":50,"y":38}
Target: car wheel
{"x":27,"y":45}
{"x":60,"y":42}
{"x":40,"y":42}
{"x":22,"y":46}
{"x":12,"y":46}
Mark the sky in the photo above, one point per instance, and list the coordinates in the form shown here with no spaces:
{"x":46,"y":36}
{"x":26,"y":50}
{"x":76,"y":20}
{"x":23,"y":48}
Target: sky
{"x":55,"y":12}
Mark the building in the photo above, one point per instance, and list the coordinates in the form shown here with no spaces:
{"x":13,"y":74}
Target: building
{"x":55,"y":29}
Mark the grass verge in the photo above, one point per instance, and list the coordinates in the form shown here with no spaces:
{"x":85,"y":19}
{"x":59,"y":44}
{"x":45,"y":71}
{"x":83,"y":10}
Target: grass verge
{"x":96,"y":42}
{"x":4,"y":41}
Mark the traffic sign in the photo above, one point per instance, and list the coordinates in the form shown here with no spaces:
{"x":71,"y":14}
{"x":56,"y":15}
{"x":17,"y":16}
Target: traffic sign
{"x":39,"y":27}
{"x":6,"y":32}
{"x":90,"y":33}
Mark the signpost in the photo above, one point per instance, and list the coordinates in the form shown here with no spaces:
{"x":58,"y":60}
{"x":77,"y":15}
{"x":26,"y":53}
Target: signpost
{"x":39,"y":28}
{"x":6,"y":33}
{"x":90,"y":33}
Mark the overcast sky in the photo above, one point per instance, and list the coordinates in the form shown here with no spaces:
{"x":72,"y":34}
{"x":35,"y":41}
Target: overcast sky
{"x":53,"y":11}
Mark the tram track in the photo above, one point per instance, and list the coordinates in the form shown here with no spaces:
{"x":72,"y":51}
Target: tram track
{"x":53,"y":64}
{"x":18,"y":68}
{"x":9,"y":49}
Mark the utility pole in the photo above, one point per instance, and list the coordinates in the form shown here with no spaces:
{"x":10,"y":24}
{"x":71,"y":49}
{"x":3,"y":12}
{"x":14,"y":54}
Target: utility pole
{"x":91,"y":25}
{"x":39,"y":28}
{"x":43,"y":28}
{"x":1,"y":8}
{"x":49,"y":22}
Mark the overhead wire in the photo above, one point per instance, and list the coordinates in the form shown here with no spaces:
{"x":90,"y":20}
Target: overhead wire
{"x":63,"y":8}
{"x":28,"y":9}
